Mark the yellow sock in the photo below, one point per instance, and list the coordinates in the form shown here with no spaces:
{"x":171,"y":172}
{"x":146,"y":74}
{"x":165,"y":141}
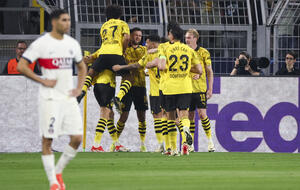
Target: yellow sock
{"x":158,"y":130}
{"x":120,"y":128}
{"x":112,"y":130}
{"x":172,"y":134}
{"x":142,"y":131}
{"x":99,"y":131}
{"x":124,"y":88}
{"x":206,"y":126}
{"x":87,"y":83}
{"x":164,"y":124}
{"x":180,"y":127}
{"x":192,"y":128}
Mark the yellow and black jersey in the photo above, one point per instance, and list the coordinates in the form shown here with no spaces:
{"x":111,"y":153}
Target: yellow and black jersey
{"x":154,"y":74}
{"x":160,"y":50}
{"x":200,"y":84}
{"x":112,"y":33}
{"x":132,"y":56}
{"x":179,"y":60}
{"x":106,"y":77}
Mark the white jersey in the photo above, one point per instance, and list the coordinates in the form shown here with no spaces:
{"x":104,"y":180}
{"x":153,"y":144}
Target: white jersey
{"x":55,"y":58}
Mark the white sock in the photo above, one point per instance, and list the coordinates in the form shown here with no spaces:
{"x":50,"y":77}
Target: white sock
{"x":65,"y":158}
{"x":49,"y":166}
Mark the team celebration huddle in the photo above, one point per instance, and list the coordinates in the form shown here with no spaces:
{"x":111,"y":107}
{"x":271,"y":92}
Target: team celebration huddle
{"x":178,"y":84}
{"x":181,"y":82}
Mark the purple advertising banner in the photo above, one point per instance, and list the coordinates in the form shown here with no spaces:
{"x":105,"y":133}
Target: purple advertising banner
{"x":261,"y":111}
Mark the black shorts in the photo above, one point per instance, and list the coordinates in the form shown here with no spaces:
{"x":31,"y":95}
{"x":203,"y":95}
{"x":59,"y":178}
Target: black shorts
{"x":199,"y":101}
{"x":104,"y":94}
{"x":162,"y":100}
{"x":107,"y":61}
{"x":138,"y":96}
{"x":180,"y":101}
{"x":155,"y":104}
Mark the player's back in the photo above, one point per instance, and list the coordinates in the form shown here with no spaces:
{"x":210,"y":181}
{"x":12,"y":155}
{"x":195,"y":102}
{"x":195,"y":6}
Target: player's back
{"x":179,"y":60}
{"x":112,"y":32}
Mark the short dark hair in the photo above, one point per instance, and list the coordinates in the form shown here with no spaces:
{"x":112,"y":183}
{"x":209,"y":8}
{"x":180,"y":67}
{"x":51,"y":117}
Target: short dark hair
{"x":57,"y":12}
{"x":154,"y":38}
{"x":135,"y":29}
{"x":163,"y":40}
{"x":247,"y":55}
{"x":171,"y":25}
{"x":292,"y":53}
{"x":177,"y":32}
{"x":113,"y":11}
{"x":21,"y":42}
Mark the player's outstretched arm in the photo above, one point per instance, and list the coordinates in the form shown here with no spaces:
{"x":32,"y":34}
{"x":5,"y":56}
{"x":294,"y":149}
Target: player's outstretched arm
{"x":162,"y":64}
{"x":81,"y":78}
{"x":126,"y":67}
{"x":153,"y":63}
{"x":197,"y":69}
{"x":25,"y":70}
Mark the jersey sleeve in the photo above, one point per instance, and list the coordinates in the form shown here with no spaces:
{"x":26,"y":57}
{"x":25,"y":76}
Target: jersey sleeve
{"x":143,"y":62}
{"x":161,"y":52}
{"x":78,"y":53}
{"x":206,"y":58}
{"x":125,"y":29}
{"x":33,"y":52}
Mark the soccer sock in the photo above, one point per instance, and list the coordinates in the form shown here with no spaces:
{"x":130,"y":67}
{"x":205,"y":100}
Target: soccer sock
{"x":99,"y":131}
{"x":124,"y":88}
{"x":49,"y":166}
{"x":87,"y":83}
{"x":68,"y":154}
{"x":180,"y":128}
{"x":120,"y":127}
{"x":142,"y":131}
{"x":186,"y":127}
{"x":172,"y":131}
{"x":164,"y":124}
{"x":158,"y":130}
{"x":192,"y":128}
{"x":206,"y":126}
{"x":112,"y":130}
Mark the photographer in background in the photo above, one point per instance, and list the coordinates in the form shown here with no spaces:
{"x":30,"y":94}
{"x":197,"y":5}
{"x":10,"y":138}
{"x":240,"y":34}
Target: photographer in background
{"x":245,"y":65}
{"x":288,"y":68}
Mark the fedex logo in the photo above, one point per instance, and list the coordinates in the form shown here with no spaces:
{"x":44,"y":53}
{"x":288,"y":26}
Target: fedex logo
{"x":262,"y":116}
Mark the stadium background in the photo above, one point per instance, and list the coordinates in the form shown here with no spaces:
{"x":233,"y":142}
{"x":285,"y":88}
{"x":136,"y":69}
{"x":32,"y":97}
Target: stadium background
{"x":226,"y":27}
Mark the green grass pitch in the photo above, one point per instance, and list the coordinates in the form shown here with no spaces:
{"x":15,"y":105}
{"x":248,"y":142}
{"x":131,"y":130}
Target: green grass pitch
{"x":153,"y":171}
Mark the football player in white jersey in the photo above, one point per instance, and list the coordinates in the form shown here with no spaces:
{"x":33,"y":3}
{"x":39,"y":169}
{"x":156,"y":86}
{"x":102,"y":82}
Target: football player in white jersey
{"x":59,"y":113}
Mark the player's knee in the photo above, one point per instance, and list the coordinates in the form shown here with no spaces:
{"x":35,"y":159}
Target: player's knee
{"x":202,"y":115}
{"x":76,"y":141}
{"x":124,"y":117}
{"x":105,"y":112}
{"x":191,"y":115}
{"x":141,"y":116}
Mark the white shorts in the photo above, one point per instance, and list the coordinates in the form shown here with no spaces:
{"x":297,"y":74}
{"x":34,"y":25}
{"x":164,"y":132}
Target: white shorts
{"x":59,"y":117}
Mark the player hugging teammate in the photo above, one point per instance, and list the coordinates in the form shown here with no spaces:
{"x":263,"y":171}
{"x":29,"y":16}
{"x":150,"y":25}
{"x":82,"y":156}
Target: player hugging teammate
{"x":177,"y":77}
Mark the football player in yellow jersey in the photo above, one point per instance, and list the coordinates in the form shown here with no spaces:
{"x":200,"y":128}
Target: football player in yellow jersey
{"x":137,"y":93}
{"x":152,"y":42}
{"x":200,"y":91}
{"x":178,"y":60}
{"x":104,"y":91}
{"x":115,"y":38}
